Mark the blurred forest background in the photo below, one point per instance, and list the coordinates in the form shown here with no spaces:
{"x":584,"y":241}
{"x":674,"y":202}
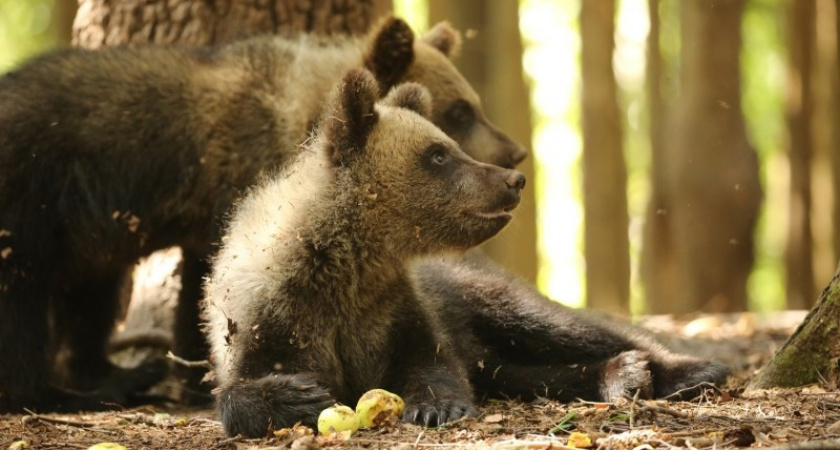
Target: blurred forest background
{"x":685,"y":153}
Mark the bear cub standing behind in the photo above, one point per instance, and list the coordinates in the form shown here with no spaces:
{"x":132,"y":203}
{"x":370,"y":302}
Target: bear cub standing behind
{"x":310,"y":300}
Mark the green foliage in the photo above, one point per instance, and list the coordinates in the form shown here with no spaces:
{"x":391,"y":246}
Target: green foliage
{"x":27,"y":27}
{"x":763,"y":63}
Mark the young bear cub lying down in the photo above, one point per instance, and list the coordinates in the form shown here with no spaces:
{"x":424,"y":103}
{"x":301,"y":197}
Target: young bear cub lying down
{"x":310,"y":299}
{"x":343,"y":274}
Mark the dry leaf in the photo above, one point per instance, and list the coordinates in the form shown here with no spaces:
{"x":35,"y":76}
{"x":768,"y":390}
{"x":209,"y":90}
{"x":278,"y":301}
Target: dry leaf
{"x":494,"y":418}
{"x":579,"y":440}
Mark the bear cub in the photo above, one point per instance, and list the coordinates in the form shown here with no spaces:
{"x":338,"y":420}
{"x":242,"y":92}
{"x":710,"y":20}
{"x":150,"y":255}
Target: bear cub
{"x":310,"y":300}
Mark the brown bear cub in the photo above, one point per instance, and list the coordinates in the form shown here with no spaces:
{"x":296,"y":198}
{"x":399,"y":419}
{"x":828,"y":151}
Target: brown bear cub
{"x":109,"y":155}
{"x":310,"y":299}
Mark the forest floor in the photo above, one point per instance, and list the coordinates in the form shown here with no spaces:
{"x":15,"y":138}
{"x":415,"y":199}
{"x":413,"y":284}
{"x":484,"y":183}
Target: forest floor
{"x":721,"y":418}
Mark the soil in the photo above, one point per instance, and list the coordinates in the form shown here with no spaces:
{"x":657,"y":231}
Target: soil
{"x":723,"y":417}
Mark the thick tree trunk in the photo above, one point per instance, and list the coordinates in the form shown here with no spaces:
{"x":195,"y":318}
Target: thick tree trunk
{"x":491,"y":59}
{"x":118,"y":22}
{"x":812,"y":353}
{"x":799,"y":269}
{"x":713,"y":192}
{"x":657,"y":265}
{"x":606,"y":243}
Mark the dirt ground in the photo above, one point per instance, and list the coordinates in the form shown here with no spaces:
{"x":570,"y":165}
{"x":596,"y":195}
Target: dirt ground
{"x":721,"y":418}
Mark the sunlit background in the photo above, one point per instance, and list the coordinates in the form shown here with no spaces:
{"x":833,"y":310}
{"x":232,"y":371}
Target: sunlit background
{"x":552,"y":62}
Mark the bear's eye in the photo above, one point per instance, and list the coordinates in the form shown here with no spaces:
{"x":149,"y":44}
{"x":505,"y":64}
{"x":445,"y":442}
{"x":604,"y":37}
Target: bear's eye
{"x":461,"y":114}
{"x":439,"y":156}
{"x":436,"y":156}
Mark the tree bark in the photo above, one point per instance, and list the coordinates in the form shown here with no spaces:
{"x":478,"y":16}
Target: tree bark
{"x":799,"y":270}
{"x":713,"y":191}
{"x":657,"y":264}
{"x":606,"y":243}
{"x":199,"y":22}
{"x":812,"y":353}
{"x":491,"y":59}
{"x":835,"y":151}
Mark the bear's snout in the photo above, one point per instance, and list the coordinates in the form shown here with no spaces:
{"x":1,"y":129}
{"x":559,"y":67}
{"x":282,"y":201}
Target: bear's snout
{"x":515,"y":180}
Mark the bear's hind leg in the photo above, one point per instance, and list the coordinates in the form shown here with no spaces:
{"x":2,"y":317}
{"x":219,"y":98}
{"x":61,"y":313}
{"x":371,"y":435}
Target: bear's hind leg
{"x":189,"y":341}
{"x":87,"y":318}
{"x":23,"y":346}
{"x":605,"y":380}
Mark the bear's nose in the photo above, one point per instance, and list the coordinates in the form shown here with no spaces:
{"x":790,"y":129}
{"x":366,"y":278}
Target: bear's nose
{"x":515,"y":180}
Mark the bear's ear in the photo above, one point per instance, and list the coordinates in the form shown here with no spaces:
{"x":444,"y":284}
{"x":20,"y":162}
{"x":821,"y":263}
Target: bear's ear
{"x":351,"y":115}
{"x":444,"y":38}
{"x":411,"y":96}
{"x":390,"y":53}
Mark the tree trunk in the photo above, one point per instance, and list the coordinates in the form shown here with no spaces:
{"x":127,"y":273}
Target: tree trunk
{"x":835,"y":151}
{"x":491,"y":59}
{"x":657,"y":264}
{"x":713,"y":191}
{"x":811,"y":354}
{"x":118,"y":22}
{"x":823,"y":95}
{"x":606,"y":243}
{"x":798,"y":255}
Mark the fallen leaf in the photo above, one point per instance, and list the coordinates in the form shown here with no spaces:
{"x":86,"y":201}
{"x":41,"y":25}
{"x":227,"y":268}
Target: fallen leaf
{"x":106,"y":446}
{"x":579,"y":440}
{"x":494,"y":418}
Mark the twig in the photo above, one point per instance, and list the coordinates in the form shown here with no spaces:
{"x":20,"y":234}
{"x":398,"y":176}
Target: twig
{"x":703,"y":384}
{"x":204,"y":364}
{"x":228,"y":441}
{"x":808,"y":445}
{"x":35,"y":416}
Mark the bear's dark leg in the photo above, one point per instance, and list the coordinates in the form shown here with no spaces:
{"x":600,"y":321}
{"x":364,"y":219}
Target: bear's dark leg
{"x":425,"y":369}
{"x":496,"y":312}
{"x":87,"y":316}
{"x":608,"y":380}
{"x":253,"y":408}
{"x":23,"y":345}
{"x":190,"y":343}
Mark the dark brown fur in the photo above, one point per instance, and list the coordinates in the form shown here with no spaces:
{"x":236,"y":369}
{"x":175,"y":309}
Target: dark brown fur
{"x":106,"y":156}
{"x":310,"y":299}
{"x":517,"y":343}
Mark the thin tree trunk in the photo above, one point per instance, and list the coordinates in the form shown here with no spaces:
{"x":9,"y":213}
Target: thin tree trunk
{"x":811,"y":354}
{"x":491,"y":59}
{"x":657,"y":265}
{"x":825,"y":101}
{"x":798,"y":256}
{"x":712,"y":171}
{"x":835,"y":151}
{"x":197,"y":22}
{"x":606,"y":243}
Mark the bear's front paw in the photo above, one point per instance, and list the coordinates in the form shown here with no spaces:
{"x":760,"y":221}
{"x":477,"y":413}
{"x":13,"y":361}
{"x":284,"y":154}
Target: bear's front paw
{"x":625,"y":374}
{"x":437,"y":414}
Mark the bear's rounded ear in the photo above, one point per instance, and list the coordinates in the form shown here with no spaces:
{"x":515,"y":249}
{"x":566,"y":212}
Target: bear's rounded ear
{"x":351,"y":115}
{"x":390,"y":52}
{"x":411,"y":96}
{"x":444,"y":38}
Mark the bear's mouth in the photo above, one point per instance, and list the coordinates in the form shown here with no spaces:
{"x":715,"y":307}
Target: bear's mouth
{"x":504,"y":213}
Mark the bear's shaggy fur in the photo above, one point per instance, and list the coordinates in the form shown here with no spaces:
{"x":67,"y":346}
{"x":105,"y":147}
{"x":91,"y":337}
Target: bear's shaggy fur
{"x":108,"y":155}
{"x":517,"y":343}
{"x":310,"y":299}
